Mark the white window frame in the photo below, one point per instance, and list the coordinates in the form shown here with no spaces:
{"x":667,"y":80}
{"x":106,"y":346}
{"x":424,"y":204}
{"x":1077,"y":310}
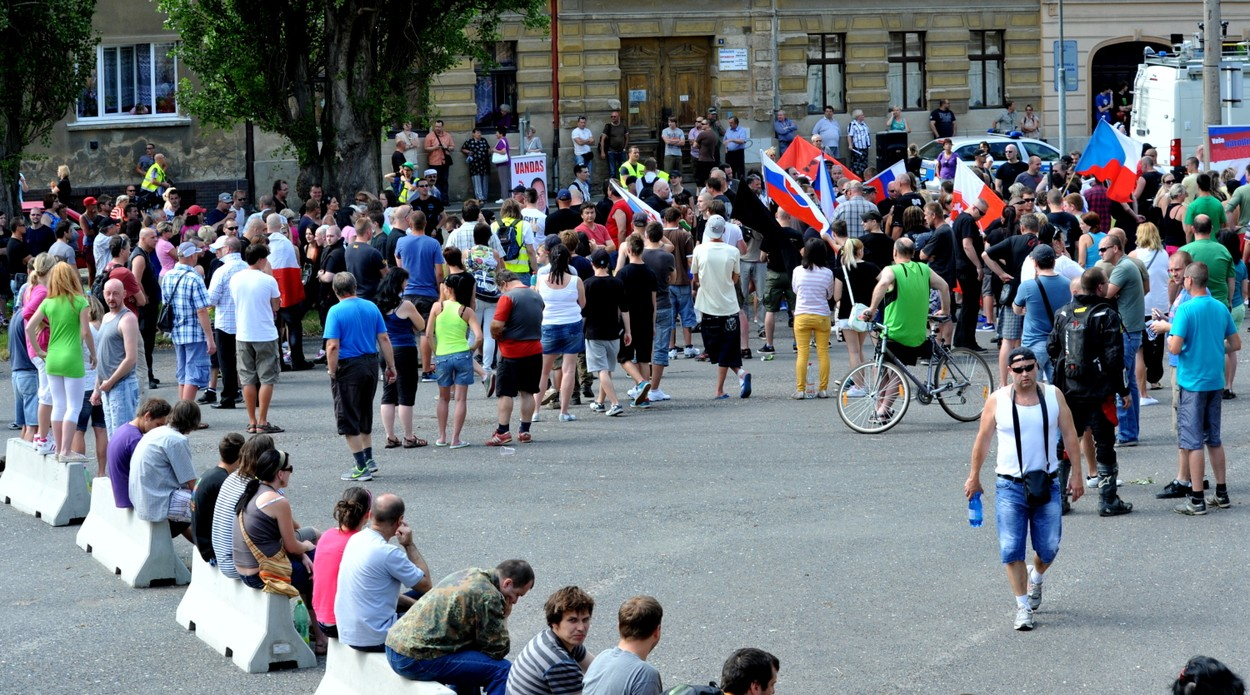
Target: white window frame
{"x":150,"y":119}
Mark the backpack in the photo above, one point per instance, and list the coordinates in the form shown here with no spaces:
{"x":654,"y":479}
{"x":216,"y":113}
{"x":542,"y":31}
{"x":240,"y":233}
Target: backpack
{"x":1081,"y":367}
{"x":511,"y":242}
{"x":709,"y":689}
{"x":97,"y":287}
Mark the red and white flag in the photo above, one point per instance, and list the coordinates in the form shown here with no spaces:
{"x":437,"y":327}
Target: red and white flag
{"x":284,"y":260}
{"x":968,"y":188}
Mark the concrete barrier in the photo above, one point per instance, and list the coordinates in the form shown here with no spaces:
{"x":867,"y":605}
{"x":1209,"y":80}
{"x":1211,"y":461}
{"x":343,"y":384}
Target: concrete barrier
{"x":351,"y":672}
{"x":40,"y":485}
{"x":252,"y":628}
{"x":139,"y":551}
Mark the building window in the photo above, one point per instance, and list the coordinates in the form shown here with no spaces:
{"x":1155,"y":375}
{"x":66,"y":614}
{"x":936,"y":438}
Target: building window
{"x":495,"y":92}
{"x":131,"y":80}
{"x":985,"y":69}
{"x":826,"y":72}
{"x":906,"y":75}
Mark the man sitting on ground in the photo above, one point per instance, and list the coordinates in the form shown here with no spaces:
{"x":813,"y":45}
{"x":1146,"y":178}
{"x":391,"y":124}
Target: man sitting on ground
{"x":623,"y":670}
{"x":554,"y":662}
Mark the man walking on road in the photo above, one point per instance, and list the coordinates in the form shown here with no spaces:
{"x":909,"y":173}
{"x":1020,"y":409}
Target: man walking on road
{"x":1028,"y":418}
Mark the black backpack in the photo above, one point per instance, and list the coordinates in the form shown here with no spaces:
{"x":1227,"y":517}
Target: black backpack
{"x":709,"y":689}
{"x":97,"y":287}
{"x":510,"y":241}
{"x":1080,"y":367}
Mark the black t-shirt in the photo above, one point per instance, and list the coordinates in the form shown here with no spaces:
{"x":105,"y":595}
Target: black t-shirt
{"x":639,"y":283}
{"x":605,"y":297}
{"x":432,"y":207}
{"x":205,"y":501}
{"x":365,"y":262}
{"x":863,"y":281}
{"x":905,"y":201}
{"x":656,"y":204}
{"x":1065,"y":223}
{"x":17,"y":251}
{"x":39,"y":239}
{"x":562,"y":219}
{"x":583,"y":266}
{"x":1011,"y":252}
{"x":944,"y":122}
{"x":662,"y":264}
{"x":878,"y":249}
{"x":397,"y":161}
{"x":940,"y":250}
{"x":966,"y":228}
{"x":1007,"y":173}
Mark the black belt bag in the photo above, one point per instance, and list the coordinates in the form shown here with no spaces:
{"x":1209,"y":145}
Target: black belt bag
{"x":1036,"y":482}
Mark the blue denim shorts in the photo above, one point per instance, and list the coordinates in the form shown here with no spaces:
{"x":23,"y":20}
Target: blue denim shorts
{"x":663,"y":333}
{"x":566,"y":339}
{"x":1016,"y":519}
{"x":192,"y":363}
{"x":1198,"y":419}
{"x":683,"y":304}
{"x":455,"y":369}
{"x":26,"y":395}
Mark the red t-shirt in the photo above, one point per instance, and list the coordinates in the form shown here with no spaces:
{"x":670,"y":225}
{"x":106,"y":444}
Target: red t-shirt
{"x":514,"y":349}
{"x":629,"y":215}
{"x":131,"y":285}
{"x":596,"y":233}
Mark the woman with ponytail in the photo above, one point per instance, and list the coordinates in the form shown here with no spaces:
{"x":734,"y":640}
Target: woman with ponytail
{"x":352,"y":513}
{"x":231,"y":490}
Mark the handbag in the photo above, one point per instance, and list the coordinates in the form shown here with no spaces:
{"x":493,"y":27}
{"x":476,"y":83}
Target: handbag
{"x":165,"y":319}
{"x":1036,"y":482}
{"x":498,"y":157}
{"x":854,"y":322}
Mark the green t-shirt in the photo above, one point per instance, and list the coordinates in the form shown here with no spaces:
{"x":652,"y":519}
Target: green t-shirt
{"x":450,"y":331}
{"x":1219,"y":265}
{"x":65,"y":336}
{"x":1240,"y":201}
{"x":1207,"y":205}
{"x":906,"y":318}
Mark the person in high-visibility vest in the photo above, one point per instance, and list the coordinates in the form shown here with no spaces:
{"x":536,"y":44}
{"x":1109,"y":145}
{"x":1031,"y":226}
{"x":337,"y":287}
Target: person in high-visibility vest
{"x":517,"y":239}
{"x":156,"y":181}
{"x":631,"y":167}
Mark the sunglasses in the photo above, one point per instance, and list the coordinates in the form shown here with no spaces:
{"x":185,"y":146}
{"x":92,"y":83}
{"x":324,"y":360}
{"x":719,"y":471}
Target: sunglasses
{"x":1169,"y":180}
{"x":1103,"y":248}
{"x":231,"y":229}
{"x":422,"y":186}
{"x":1024,"y":368}
{"x":291,"y":469}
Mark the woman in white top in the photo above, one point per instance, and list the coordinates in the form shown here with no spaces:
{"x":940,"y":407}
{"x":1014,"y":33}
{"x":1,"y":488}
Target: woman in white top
{"x":533,"y":145}
{"x":813,"y":288}
{"x":1150,"y":253}
{"x":563,"y":297}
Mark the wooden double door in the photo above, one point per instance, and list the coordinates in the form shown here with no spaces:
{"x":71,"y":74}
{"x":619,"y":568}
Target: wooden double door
{"x":663,"y":77}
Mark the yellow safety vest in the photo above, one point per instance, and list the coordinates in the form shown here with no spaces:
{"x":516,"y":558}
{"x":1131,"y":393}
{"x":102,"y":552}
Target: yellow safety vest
{"x":520,"y":264}
{"x":628,"y":170}
{"x":154,"y":178}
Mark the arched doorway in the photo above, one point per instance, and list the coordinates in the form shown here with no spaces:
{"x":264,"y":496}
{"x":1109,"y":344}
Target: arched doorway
{"x":1114,"y":65}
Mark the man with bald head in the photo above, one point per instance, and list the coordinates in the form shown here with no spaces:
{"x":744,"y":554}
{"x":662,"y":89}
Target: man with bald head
{"x":117,"y":352}
{"x":660,"y":197}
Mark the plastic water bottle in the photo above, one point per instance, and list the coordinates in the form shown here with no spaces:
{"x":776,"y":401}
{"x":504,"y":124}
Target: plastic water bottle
{"x":300,"y":617}
{"x":811,"y":383}
{"x":975,"y":515}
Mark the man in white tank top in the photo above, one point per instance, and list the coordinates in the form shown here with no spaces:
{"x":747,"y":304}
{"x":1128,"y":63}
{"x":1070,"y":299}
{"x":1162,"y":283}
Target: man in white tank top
{"x":1028,"y":418}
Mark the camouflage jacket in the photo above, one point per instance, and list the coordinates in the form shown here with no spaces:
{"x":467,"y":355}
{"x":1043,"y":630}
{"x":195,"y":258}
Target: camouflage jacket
{"x":463,"y":611}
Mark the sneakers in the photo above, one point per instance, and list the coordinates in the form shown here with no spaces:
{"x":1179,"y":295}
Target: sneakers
{"x":567,"y":417}
{"x":690,"y":352}
{"x":799,"y":396}
{"x":1035,"y":596}
{"x":428,"y":377}
{"x":641,"y":406}
{"x":597,"y":407}
{"x":856,"y":392}
{"x":987,"y":327}
{"x":1174,"y":490}
{"x":357,"y":474}
{"x":1092,"y":481}
{"x":537,"y":417}
{"x":1024,"y":619}
{"x":822,"y":394}
{"x":1116,"y":508}
{"x":881,"y":418}
{"x":615,"y":410}
{"x":551,"y":396}
{"x":1149,"y":401}
{"x":1228,"y":395}
{"x":640,"y":392}
{"x":1218,"y":500}
{"x":1188,"y":508}
{"x":673,"y":354}
{"x":746,"y":354}
{"x":209,"y":396}
{"x":744,"y":386}
{"x":499,"y":439}
{"x":768,"y":349}
{"x":524,"y":437}
{"x":657,"y":395}
{"x":44,"y":446}
{"x":1125,"y":443}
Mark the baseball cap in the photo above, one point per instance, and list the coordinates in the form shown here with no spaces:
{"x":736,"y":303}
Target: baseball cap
{"x":430,"y":172}
{"x":196,"y":210}
{"x":89,"y":201}
{"x":518,"y":188}
{"x":600,"y":258}
{"x":225,"y":198}
{"x":187,"y":249}
{"x":220,"y":242}
{"x":1021,"y":354}
{"x":1042,"y":252}
{"x":715,"y":227}
{"x":407,"y":165}
{"x":563,"y":194}
{"x":640,"y":219}
{"x":712,"y":110}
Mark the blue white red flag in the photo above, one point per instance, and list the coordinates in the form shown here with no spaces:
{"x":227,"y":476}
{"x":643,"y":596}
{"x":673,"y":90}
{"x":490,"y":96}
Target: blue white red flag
{"x":1112,"y":157}
{"x":788,"y":196}
{"x":882,"y":181}
{"x":635,"y":203}
{"x":826,"y":191}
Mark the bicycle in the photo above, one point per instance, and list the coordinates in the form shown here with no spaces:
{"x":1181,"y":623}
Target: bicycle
{"x":875,"y":395}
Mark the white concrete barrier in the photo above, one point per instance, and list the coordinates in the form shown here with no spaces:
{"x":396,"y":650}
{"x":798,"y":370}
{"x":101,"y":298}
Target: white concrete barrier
{"x":139,"y":551}
{"x":351,"y":672}
{"x":252,"y":628}
{"x":44,"y":487}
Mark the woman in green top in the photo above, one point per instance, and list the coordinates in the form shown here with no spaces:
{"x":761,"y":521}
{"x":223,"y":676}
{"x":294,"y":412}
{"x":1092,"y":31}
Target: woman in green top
{"x":68,"y":319}
{"x":447,"y":329}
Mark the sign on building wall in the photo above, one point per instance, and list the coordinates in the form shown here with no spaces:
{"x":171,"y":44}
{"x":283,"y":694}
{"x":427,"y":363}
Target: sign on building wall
{"x":733,"y":59}
{"x":531,"y":171}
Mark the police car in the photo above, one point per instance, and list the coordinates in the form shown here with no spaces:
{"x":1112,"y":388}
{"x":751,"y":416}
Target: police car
{"x":966,"y":147}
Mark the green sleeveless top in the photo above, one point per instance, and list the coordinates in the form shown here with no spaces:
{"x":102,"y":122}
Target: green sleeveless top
{"x":451,"y":331}
{"x":906,"y":318}
{"x":65,"y":338}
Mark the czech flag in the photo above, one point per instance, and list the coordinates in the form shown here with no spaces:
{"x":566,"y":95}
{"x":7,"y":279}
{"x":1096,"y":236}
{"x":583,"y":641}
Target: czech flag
{"x":807,"y":158}
{"x":882,"y":181}
{"x":285,"y":263}
{"x":1112,"y":156}
{"x":635,"y":203}
{"x":969,"y":187}
{"x":785,"y":192}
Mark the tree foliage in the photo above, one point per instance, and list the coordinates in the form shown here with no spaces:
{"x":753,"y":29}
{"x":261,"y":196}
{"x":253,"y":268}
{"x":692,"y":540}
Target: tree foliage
{"x":49,"y":56}
{"x":328,"y":75}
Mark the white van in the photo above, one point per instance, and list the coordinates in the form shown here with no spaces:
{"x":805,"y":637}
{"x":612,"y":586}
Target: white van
{"x":1167,"y":101}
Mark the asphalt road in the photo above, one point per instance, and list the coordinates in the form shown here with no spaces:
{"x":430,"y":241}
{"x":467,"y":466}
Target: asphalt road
{"x":762,"y":523}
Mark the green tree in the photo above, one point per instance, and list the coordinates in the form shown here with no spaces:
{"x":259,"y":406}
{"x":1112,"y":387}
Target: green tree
{"x":329,"y":75}
{"x":50,"y":56}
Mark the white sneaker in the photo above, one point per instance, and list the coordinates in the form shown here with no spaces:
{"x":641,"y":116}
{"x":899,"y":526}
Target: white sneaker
{"x":1149,"y":401}
{"x":1024,"y":619}
{"x":1092,"y":481}
{"x":632,"y":392}
{"x":673,"y":354}
{"x":44,"y":446}
{"x":691,"y":353}
{"x":658,"y":395}
{"x":856,"y":392}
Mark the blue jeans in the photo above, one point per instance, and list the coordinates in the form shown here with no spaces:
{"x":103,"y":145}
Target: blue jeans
{"x":1016,"y":520}
{"x":615,"y":160}
{"x":683,"y":305}
{"x":1044,"y":365}
{"x":465,"y":671}
{"x":587,"y":161}
{"x":26,"y":397}
{"x":1127,"y":409}
{"x":121,"y":403}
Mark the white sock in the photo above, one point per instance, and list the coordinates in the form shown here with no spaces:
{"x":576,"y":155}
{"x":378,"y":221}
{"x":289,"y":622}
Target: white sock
{"x":1034,"y":576}
{"x":1022,"y":601}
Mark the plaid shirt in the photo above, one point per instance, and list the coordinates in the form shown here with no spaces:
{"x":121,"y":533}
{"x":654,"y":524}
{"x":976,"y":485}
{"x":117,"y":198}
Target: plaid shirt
{"x":852,"y":212}
{"x":1097,"y":201}
{"x":189,"y":298}
{"x":219,"y":293}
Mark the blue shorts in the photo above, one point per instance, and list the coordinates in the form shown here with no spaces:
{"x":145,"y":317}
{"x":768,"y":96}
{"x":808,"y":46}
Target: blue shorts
{"x":455,"y":369}
{"x":192,"y":364}
{"x":1016,"y":519}
{"x":1198,"y":419}
{"x":663,"y":333}
{"x":90,"y":414}
{"x":26,"y":394}
{"x":683,"y":304}
{"x":566,"y":339}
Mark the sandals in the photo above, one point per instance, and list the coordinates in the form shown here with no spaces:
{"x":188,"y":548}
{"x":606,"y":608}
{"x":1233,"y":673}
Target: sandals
{"x":392,"y":443}
{"x":265,"y":428}
{"x":411,"y":443}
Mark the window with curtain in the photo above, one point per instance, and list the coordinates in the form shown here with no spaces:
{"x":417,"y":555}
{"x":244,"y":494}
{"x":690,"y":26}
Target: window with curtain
{"x":496,"y":87}
{"x":131,"y":80}
{"x":905,"y":77}
{"x":985,"y":69}
{"x":826,"y":72}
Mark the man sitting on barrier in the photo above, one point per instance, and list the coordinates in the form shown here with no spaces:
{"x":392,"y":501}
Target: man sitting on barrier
{"x":372,"y":573}
{"x":204,"y":500}
{"x":162,"y":474}
{"x":458,"y":632}
{"x":554,"y":662}
{"x":152,"y":414}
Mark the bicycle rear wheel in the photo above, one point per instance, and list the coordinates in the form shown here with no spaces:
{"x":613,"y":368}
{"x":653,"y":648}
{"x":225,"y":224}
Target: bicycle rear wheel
{"x":964,"y":383}
{"x":873,"y":399}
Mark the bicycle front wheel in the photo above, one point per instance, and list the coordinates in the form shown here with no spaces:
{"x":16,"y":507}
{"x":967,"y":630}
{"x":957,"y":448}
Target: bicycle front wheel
{"x":964,"y":383}
{"x":873,"y":398}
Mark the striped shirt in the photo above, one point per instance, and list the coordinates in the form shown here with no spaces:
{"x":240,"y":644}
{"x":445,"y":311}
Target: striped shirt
{"x":812,"y":290}
{"x":223,"y":523}
{"x":544,"y":667}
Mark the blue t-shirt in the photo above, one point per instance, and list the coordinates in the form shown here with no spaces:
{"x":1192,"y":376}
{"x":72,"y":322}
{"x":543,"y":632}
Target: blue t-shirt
{"x":356,"y":324}
{"x":1239,"y":276}
{"x":1204,"y":323}
{"x":419,"y":255}
{"x":1038,"y":321}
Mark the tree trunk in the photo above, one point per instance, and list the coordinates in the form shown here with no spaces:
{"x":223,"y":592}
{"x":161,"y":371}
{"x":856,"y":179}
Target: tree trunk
{"x":10,"y":165}
{"x":351,"y":121}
